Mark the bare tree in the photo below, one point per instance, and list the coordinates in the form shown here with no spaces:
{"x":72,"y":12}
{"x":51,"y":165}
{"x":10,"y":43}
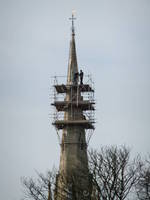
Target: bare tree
{"x":41,"y":188}
{"x":143,"y":185}
{"x":114,"y":175}
{"x":45,"y":187}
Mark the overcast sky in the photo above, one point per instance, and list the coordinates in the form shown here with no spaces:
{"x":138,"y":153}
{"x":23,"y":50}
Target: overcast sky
{"x":113,"y":44}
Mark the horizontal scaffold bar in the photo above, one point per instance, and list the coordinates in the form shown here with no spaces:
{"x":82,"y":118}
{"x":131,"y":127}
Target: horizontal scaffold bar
{"x":64,"y":105}
{"x":87,"y":124}
{"x":64,"y":88}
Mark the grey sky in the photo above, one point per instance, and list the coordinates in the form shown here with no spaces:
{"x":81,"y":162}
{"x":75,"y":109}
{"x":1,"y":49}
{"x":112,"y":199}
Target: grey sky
{"x":113,"y":43}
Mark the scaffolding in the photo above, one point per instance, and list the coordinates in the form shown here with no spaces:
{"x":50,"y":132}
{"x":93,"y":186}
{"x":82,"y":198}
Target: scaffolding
{"x":82,"y":98}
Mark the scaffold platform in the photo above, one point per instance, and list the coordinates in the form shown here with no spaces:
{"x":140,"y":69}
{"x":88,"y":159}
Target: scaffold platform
{"x":64,"y":88}
{"x":84,"y":105}
{"x":60,"y":124}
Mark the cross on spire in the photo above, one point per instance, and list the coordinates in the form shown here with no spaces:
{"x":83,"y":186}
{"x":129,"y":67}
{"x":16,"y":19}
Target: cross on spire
{"x":72,"y":19}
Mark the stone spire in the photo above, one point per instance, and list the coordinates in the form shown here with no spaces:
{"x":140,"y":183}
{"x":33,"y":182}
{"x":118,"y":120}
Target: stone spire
{"x":73,"y":178}
{"x":72,"y":66}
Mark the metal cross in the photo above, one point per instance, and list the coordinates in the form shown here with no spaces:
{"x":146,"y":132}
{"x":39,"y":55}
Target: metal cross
{"x":72,"y":19}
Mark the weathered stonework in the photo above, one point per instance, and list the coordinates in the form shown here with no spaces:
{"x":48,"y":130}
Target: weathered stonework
{"x":73,"y":181}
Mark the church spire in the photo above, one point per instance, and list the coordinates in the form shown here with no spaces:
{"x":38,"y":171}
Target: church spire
{"x":73,"y":180}
{"x":72,"y":66}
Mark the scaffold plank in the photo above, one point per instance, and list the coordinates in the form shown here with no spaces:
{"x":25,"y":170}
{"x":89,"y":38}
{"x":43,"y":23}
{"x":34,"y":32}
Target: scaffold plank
{"x":64,"y":88}
{"x":60,"y":124}
{"x":84,"y":105}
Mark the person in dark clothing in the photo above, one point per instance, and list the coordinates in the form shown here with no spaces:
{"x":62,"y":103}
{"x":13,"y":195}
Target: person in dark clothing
{"x":81,"y":77}
{"x":76,"y":78}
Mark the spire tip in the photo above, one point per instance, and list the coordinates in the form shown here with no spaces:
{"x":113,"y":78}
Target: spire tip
{"x":72,"y":19}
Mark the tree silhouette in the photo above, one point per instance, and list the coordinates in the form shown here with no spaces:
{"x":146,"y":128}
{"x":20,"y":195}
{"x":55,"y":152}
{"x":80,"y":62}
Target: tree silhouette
{"x":113,"y":176}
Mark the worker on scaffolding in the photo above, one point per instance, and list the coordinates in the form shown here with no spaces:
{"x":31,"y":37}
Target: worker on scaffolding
{"x":81,"y":77}
{"x":76,"y":75}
